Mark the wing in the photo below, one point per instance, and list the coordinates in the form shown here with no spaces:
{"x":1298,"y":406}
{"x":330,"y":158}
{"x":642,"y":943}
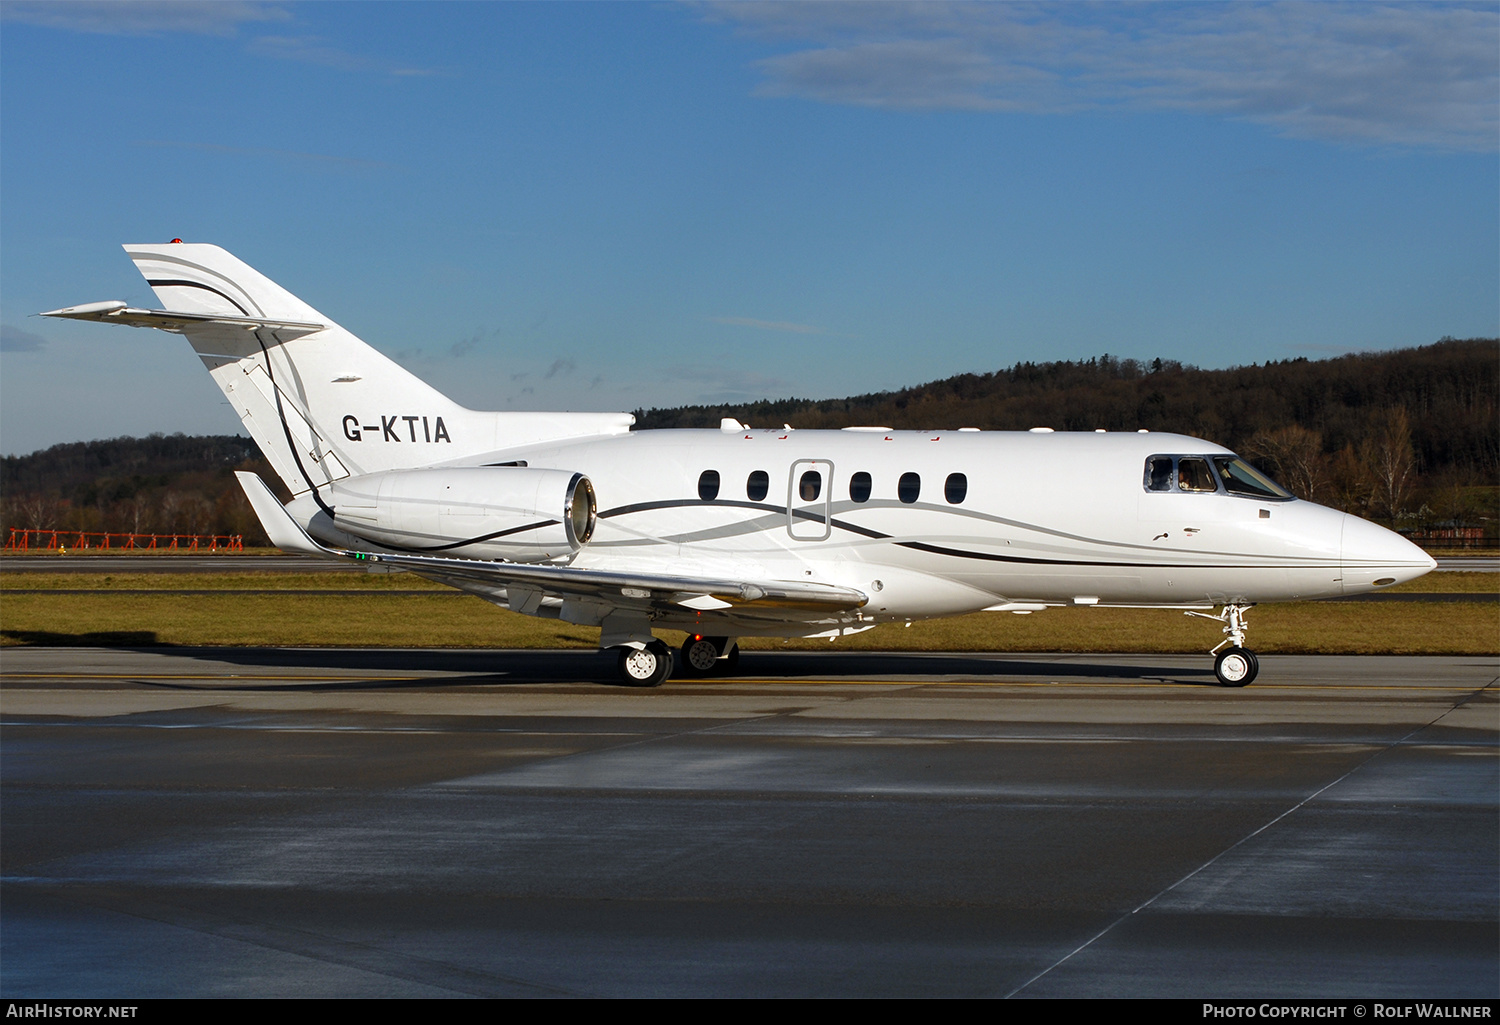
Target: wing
{"x":614,"y":590}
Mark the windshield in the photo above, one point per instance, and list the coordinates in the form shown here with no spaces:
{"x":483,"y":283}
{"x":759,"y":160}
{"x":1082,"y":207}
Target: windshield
{"x":1240,"y":478}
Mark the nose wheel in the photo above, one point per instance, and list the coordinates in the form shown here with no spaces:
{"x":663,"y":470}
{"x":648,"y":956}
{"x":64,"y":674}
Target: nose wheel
{"x":1237,"y":665}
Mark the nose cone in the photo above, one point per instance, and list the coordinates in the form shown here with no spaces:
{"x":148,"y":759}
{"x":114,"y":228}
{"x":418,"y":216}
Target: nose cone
{"x":1374,"y":557}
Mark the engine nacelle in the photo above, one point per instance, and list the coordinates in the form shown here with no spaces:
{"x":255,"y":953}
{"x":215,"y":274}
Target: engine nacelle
{"x":509,"y":512}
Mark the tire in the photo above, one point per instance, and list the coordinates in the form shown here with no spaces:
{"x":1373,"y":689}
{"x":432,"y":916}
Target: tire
{"x":700,"y":655}
{"x":646,"y":667}
{"x":1236,"y":667}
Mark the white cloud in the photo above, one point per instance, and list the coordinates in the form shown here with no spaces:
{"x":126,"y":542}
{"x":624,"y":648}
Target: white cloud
{"x":197,"y":17}
{"x":327,"y":159}
{"x":772,"y":325}
{"x":312,"y":50}
{"x":723,"y":383}
{"x":1423,"y":75}
{"x":464,"y":346}
{"x":13,"y":339}
{"x":142,"y":17}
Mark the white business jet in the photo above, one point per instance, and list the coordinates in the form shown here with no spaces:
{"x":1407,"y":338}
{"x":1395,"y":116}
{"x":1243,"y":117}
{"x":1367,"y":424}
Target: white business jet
{"x":739,"y":531}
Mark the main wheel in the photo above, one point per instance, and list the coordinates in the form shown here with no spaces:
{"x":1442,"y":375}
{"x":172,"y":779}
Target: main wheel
{"x":700,"y":655}
{"x":706,"y":656}
{"x":646,"y":667}
{"x":1236,"y":667}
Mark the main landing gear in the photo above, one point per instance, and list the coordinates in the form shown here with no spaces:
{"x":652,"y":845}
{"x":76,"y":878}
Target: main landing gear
{"x":1236,"y":666}
{"x":646,"y":667}
{"x":700,"y":656}
{"x":704,"y":656}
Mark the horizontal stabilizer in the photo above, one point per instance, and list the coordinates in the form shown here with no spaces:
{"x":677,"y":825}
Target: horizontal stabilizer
{"x":117,"y":312}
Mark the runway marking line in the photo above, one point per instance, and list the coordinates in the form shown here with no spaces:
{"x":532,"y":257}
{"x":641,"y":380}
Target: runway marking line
{"x":175,"y":676}
{"x":735,"y":682}
{"x":1265,"y":827}
{"x":1102,"y":683}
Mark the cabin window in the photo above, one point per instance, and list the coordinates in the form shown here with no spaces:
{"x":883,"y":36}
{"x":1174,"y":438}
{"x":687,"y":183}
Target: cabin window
{"x":708,"y":485}
{"x":859,"y":487}
{"x":757,"y":486}
{"x":810,"y":486}
{"x":1159,"y":473}
{"x":955,"y":488}
{"x":1194,"y":475}
{"x":1240,"y":478}
{"x":909,"y":488}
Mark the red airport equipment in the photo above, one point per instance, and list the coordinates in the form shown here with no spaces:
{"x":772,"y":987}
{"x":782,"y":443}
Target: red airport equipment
{"x":25,"y":540}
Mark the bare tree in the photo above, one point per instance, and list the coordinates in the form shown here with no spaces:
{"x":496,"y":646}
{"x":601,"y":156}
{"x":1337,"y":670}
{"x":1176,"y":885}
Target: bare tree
{"x":1392,"y":463}
{"x":1294,"y":455}
{"x":1349,"y":479}
{"x":37,"y":510}
{"x":137,"y":511}
{"x":172,"y":503}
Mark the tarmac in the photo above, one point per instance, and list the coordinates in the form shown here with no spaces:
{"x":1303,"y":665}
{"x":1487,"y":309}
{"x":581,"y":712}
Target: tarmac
{"x":283,"y":822}
{"x":229,"y":562}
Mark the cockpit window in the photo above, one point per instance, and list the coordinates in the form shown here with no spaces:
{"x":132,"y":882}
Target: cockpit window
{"x":1159,"y":473}
{"x":1194,"y":475}
{"x":1240,"y":478}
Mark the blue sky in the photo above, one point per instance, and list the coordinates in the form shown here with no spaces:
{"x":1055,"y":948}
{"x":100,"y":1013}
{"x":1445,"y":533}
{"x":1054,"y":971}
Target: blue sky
{"x":608,"y":206}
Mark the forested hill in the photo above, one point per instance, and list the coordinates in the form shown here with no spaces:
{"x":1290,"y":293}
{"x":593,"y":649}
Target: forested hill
{"x":168,"y":484}
{"x":137,"y":462}
{"x":1448,"y":390}
{"x":1411,"y":437}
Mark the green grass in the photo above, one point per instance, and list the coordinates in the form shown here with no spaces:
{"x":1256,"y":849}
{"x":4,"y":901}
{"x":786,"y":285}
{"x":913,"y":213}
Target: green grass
{"x":1452,"y":582}
{"x":367,"y":618}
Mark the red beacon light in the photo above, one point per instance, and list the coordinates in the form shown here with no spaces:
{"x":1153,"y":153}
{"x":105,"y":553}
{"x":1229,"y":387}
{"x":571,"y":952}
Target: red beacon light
{"x":175,"y":242}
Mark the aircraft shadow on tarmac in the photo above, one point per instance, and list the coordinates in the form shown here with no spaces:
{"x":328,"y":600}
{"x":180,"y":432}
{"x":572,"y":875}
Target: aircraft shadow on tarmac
{"x":514,"y":667}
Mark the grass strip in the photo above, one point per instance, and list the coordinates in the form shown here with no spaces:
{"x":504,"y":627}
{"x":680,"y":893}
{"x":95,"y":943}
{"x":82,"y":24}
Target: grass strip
{"x":370,"y":619}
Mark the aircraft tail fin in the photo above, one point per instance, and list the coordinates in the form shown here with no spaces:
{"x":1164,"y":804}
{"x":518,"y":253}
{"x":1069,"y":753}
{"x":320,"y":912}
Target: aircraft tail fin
{"x":321,"y":403}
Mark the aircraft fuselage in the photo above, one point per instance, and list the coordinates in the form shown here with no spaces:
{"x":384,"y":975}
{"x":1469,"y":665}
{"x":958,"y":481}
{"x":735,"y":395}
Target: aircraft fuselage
{"x":946,"y":522}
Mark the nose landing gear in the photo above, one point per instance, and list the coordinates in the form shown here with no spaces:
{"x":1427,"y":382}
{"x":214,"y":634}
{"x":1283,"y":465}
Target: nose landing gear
{"x":1237,"y":665}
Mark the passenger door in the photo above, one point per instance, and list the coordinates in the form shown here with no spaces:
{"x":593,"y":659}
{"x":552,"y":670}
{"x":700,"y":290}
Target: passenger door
{"x":809,"y":500}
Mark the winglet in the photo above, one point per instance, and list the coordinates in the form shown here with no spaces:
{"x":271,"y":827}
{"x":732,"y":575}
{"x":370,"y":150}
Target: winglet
{"x":285,"y":533}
